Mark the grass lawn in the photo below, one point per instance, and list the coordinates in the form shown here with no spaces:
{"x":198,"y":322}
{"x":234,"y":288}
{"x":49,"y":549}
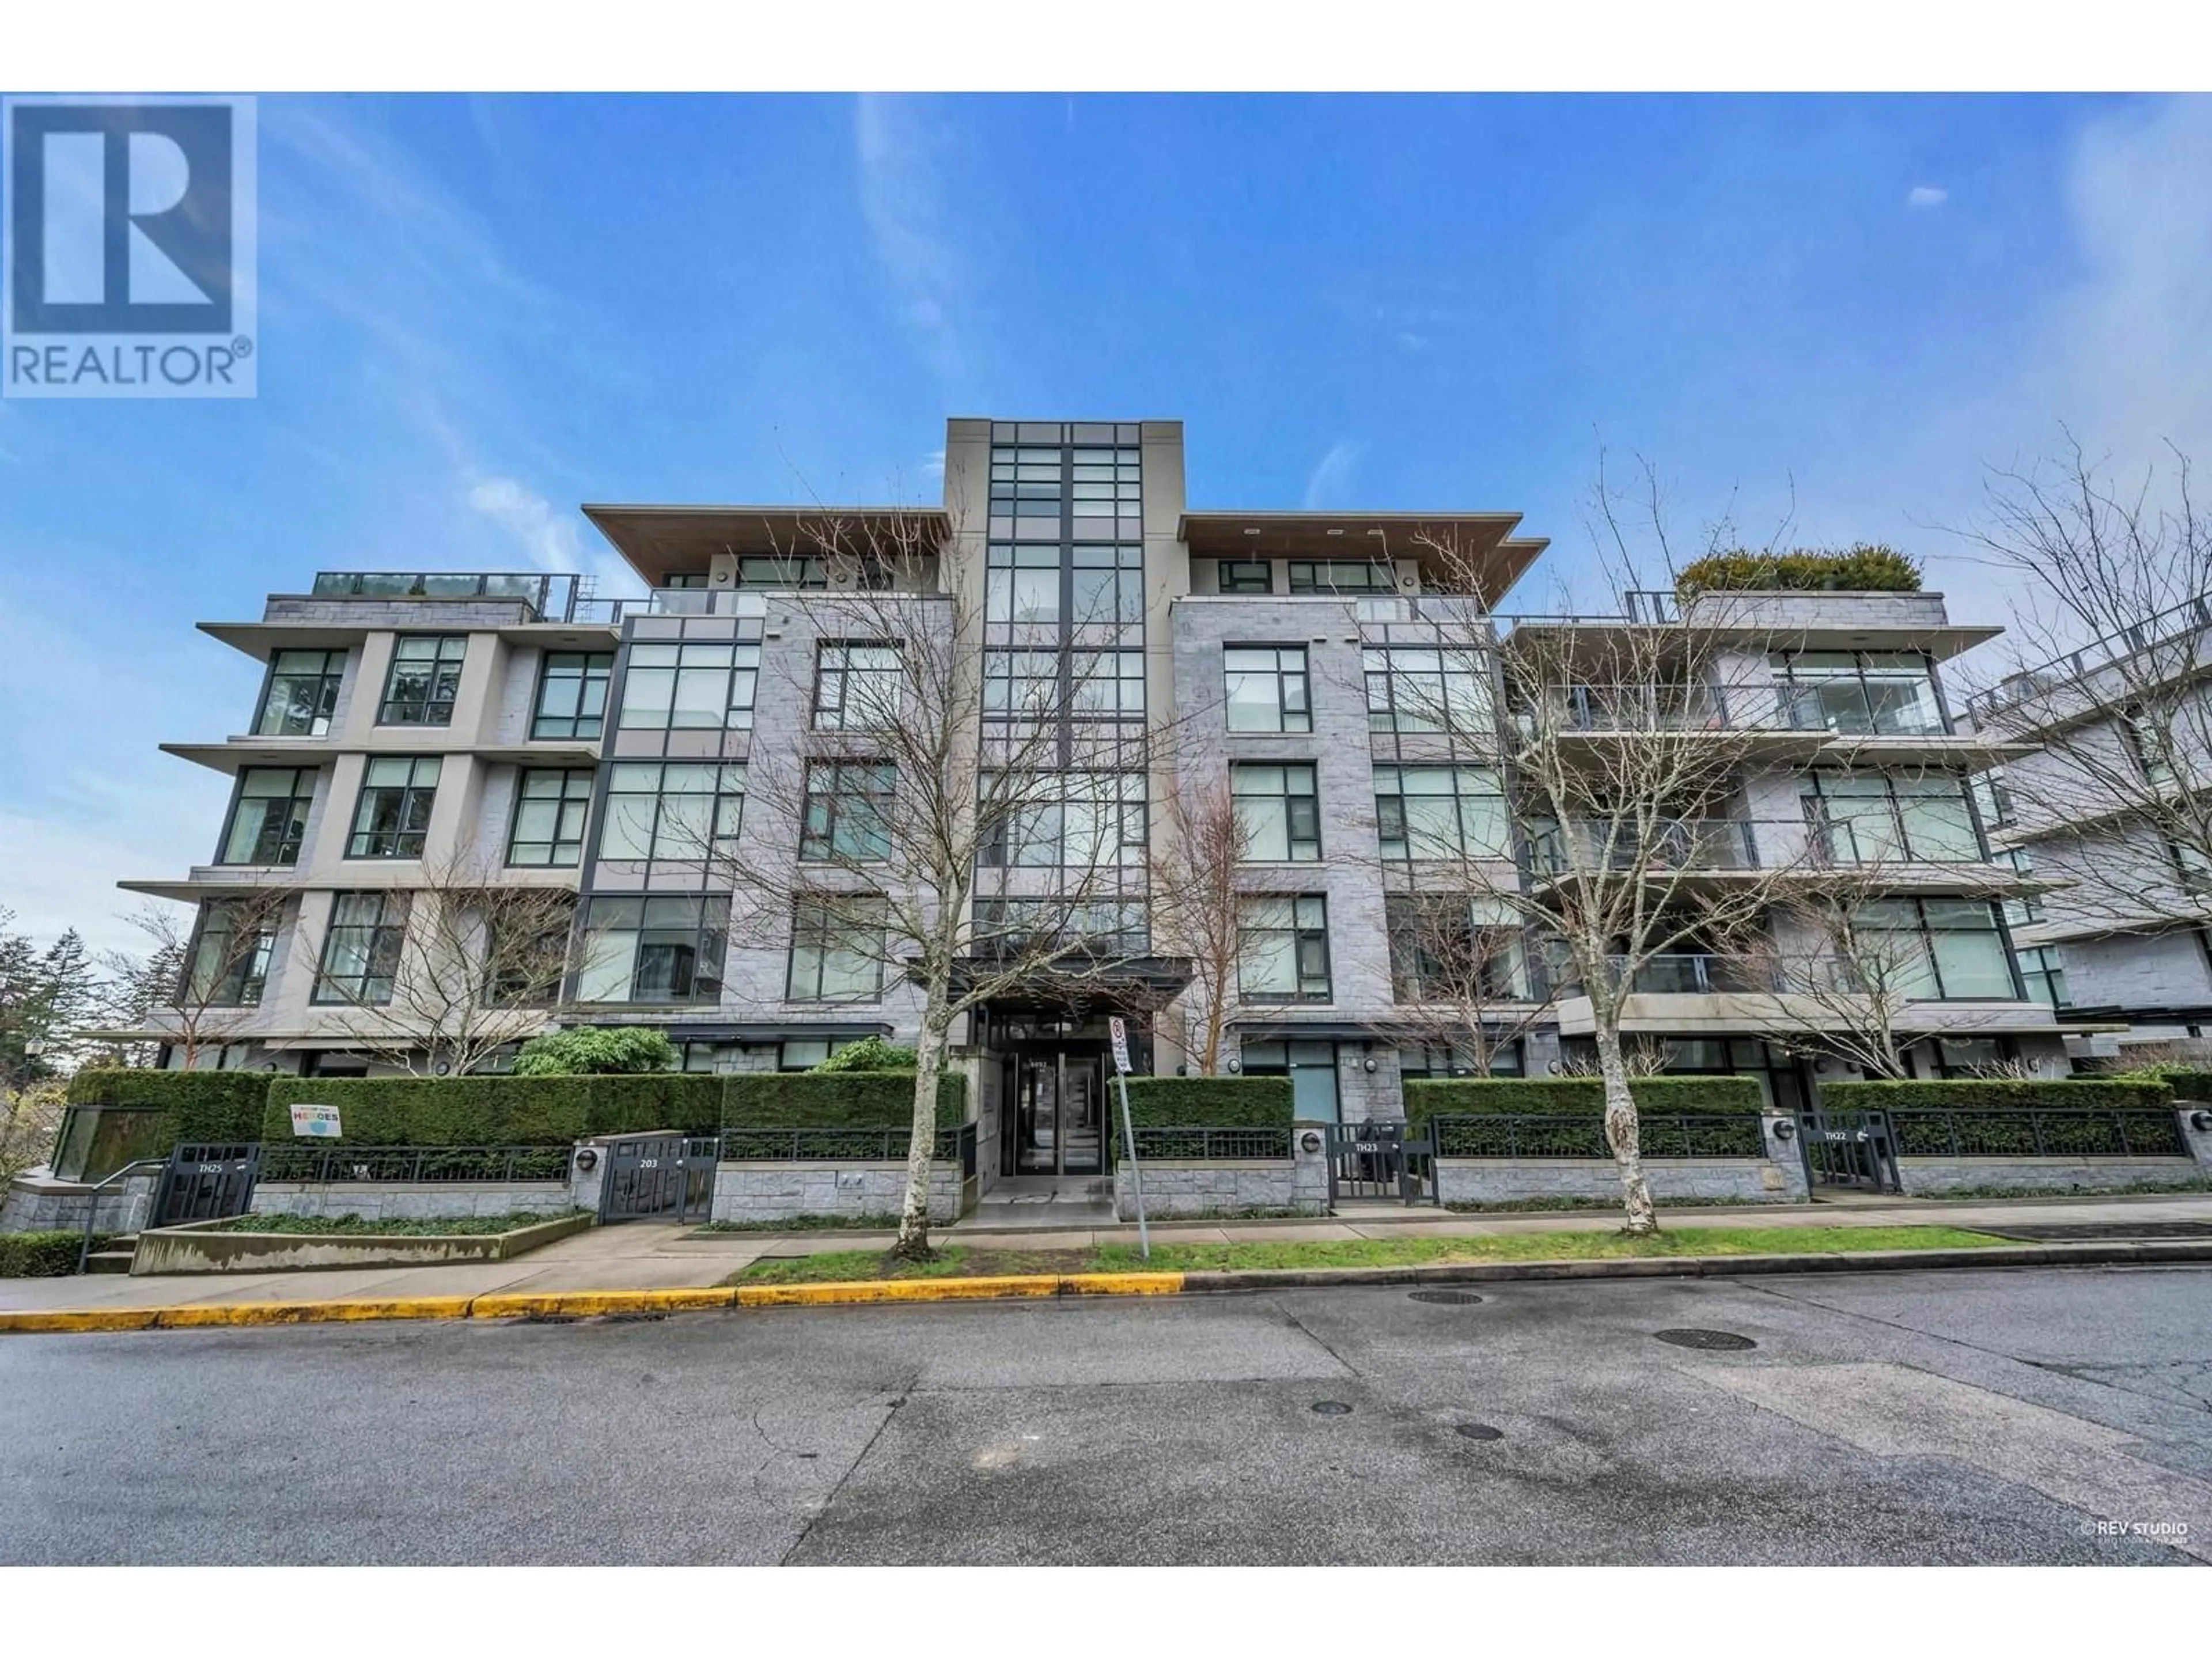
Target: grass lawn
{"x":957,"y":1260}
{"x":352,"y":1224}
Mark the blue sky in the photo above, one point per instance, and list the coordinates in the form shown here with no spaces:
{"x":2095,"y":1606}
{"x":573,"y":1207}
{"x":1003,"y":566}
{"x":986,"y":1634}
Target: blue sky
{"x":476,"y":313}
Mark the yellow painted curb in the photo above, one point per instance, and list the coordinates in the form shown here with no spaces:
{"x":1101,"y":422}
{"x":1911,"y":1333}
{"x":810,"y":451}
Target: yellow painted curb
{"x":307,"y":1313}
{"x":584,"y":1304}
{"x":898,"y":1290}
{"x":78,"y":1319}
{"x":1135,"y":1284}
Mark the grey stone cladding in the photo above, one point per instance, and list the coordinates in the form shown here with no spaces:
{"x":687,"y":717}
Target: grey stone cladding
{"x":405,"y":1201}
{"x":782,"y":1191}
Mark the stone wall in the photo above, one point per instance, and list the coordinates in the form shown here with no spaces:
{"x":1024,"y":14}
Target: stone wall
{"x":1175,"y":1188}
{"x":781,"y":1192}
{"x":37,"y":1203}
{"x":1933,"y":1177}
{"x":409,"y":1201}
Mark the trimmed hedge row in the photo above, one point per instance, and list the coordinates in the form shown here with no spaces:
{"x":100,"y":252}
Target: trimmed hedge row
{"x":546,"y":1111}
{"x":2186,"y":1082}
{"x":1210,"y":1103}
{"x":42,"y":1255}
{"x":1994,"y":1094}
{"x":202,"y":1106}
{"x":1428,"y":1097}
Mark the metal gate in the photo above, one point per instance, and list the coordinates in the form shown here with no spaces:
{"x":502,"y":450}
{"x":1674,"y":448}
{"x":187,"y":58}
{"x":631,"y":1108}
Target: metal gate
{"x":659,"y":1178}
{"x":206,"y":1183}
{"x":1375,"y":1161}
{"x":1849,"y":1149}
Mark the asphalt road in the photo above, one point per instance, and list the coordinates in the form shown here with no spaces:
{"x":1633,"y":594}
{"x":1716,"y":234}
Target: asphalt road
{"x":2024,"y":1415}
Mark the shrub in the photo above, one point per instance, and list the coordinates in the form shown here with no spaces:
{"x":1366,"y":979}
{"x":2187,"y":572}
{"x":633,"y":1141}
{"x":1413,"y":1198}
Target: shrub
{"x":1865,"y":568}
{"x":2188,"y":1082}
{"x":1210,"y":1103}
{"x":202,"y":1106}
{"x":1428,"y":1097}
{"x":838,"y":1099}
{"x":1996,"y":1095}
{"x":870,"y":1054}
{"x":597,"y":1051}
{"x":500,"y":1111}
{"x":42,"y":1255}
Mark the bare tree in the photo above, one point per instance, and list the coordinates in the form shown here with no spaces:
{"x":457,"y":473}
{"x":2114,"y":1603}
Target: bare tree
{"x":1463,"y":975}
{"x":1627,"y":739}
{"x":480,"y":966}
{"x":198,"y":989}
{"x":2109,"y":668}
{"x":965,"y":810}
{"x":1198,"y":913}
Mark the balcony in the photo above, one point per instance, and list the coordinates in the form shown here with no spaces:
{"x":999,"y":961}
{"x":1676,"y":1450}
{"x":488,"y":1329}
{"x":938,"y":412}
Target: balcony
{"x":2182,"y":624}
{"x":1918,"y":851}
{"x":1841,"y":708}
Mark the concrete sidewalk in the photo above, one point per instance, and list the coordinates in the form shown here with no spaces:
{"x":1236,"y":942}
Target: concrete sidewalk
{"x":642,"y":1256}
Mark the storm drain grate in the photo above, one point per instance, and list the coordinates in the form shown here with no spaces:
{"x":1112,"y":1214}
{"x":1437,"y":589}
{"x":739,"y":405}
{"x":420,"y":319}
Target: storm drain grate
{"x":1331,"y":1408}
{"x":1477,"y":1432}
{"x":1696,"y":1339}
{"x":1445,"y":1298}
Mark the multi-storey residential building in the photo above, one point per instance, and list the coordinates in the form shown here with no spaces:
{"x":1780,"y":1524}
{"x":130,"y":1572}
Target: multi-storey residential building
{"x":2107,"y":802}
{"x":1337,"y":672}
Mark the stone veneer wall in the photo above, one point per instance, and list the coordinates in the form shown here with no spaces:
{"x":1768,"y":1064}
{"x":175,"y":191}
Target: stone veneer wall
{"x":1777,"y":1178}
{"x":780,"y":1192}
{"x":37,"y":1203}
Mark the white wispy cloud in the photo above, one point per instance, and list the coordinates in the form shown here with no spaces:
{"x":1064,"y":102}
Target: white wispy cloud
{"x":547,"y":535}
{"x":1332,"y":474}
{"x":1926,"y":196}
{"x":904,"y":202}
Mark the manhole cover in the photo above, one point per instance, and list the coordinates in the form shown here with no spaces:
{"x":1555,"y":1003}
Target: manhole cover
{"x":1332,"y":1408}
{"x":1477,"y":1432}
{"x":1705,"y":1339}
{"x":1445,"y":1298}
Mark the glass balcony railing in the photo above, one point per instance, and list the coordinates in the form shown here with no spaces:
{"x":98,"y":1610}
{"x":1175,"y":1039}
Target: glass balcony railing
{"x":1916,"y":832}
{"x":1846,"y":707}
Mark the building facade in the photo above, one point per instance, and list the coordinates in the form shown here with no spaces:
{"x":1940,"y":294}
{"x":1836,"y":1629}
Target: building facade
{"x":422,"y":737}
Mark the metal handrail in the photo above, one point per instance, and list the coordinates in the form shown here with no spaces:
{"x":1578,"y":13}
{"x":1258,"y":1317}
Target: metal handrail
{"x":2106,"y":649}
{"x":92,"y":1201}
{"x":330,"y":1166}
{"x":1823,"y":839}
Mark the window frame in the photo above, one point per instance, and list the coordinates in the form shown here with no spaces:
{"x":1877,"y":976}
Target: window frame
{"x":1801,"y":691}
{"x":838,"y":803}
{"x":841,"y":714}
{"x":818,"y":933}
{"x":248,"y":966}
{"x":1291,"y":686}
{"x":442,"y":688}
{"x":1235,"y":576}
{"x":689,"y":663}
{"x":1299,"y":813}
{"x":711,"y":838}
{"x":408,"y":795}
{"x":299,"y":803}
{"x":550,"y":672}
{"x":706,"y":926}
{"x":330,"y":684}
{"x":1457,"y":667}
{"x":385,"y":940}
{"x":1300,"y":934}
{"x":1394,"y":826}
{"x":1303,"y":577}
{"x":561,"y":802}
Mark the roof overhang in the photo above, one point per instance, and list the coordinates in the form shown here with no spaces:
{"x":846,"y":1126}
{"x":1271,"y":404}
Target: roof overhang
{"x":1481,"y":545}
{"x":1136,"y":983}
{"x":661,"y":541}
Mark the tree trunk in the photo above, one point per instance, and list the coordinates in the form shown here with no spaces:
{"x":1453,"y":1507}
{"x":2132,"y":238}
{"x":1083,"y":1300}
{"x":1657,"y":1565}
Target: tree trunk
{"x":1620,"y":1129}
{"x":929,"y":1066}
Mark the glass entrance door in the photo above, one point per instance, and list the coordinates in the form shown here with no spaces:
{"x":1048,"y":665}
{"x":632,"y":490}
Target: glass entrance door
{"x":1059,"y":1114}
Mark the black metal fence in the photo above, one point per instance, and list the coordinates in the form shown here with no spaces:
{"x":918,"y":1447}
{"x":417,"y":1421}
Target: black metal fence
{"x":430,"y":1164}
{"x":1205,"y":1144}
{"x":843,"y":1147}
{"x":2038,"y":1132}
{"x":204,"y":1183}
{"x":1377,"y":1160}
{"x":1539,"y":1136}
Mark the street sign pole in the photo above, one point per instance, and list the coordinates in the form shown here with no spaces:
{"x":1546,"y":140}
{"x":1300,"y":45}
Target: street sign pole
{"x":1121,"y":1034}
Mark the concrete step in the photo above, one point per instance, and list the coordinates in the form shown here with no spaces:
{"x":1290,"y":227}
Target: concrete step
{"x":114,"y":1256}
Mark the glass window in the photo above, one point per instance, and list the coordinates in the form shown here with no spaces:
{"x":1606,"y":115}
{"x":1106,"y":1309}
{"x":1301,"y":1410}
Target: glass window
{"x":1948,"y":949}
{"x":1439,"y":1059}
{"x":1010,"y":927}
{"x":687,"y":810}
{"x":1285,"y":955}
{"x":701,"y":685}
{"x":1109,"y":684}
{"x":268,"y":816}
{"x":526,"y":953}
{"x":1879,"y":693}
{"x":1279,"y":810}
{"x":848,"y":812}
{"x":392,"y":816}
{"x":229,"y":960}
{"x":759,"y":571}
{"x":1244,"y":576}
{"x":1022,"y":684}
{"x":425,"y":678}
{"x":361,"y":951}
{"x":1022,"y":584}
{"x":1106,"y":585}
{"x":1267,"y":688}
{"x":2150,"y":741}
{"x":1071,"y":820}
{"x":302,"y":694}
{"x":1440,"y":812}
{"x":2044,"y":971}
{"x":571,"y":694}
{"x":1311,"y":1068}
{"x":837,"y":950}
{"x":1869,"y":820}
{"x":1453,"y":948}
{"x":655,"y":948}
{"x":1342,"y":576}
{"x":1426,"y":688}
{"x":805,"y":1055}
{"x":856,"y":687}
{"x":549,"y":809}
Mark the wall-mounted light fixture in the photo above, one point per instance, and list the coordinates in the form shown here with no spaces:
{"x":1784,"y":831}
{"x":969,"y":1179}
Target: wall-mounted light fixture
{"x":1235,"y":1066}
{"x":587,"y":1160}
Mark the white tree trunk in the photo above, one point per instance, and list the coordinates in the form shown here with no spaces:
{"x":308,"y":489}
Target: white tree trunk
{"x":928,"y":1066}
{"x":1621,"y":1128}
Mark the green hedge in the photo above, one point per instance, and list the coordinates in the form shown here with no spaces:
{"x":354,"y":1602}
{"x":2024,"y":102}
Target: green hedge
{"x":202,"y":1105}
{"x":547,"y":1111}
{"x":1866,"y":567}
{"x":2186,"y":1081}
{"x":1211,"y":1103}
{"x":42,"y":1255}
{"x":1428,"y":1097}
{"x":1995,"y":1095}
